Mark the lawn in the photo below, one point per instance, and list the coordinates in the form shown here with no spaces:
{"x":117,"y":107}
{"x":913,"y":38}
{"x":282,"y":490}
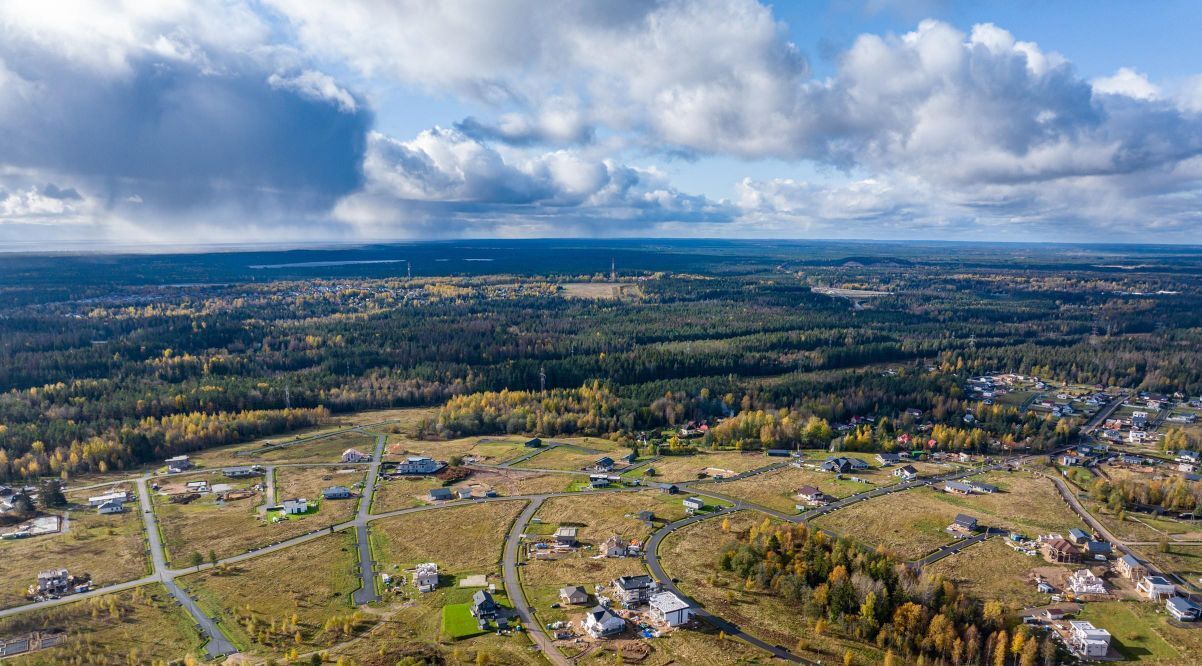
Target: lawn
{"x":1141,"y":632}
{"x":264,"y":602}
{"x":675,"y":469}
{"x":204,"y":524}
{"x":602,"y":515}
{"x":777,"y":489}
{"x":691,"y":555}
{"x":149,"y":626}
{"x":993,"y":570}
{"x":110,"y":548}
{"x":458,"y":622}
{"x":464,"y":539}
{"x":1185,"y":561}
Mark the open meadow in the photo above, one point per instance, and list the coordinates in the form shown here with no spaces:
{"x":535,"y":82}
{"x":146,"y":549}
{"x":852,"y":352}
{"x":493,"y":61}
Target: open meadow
{"x":599,"y":516}
{"x":675,"y":469}
{"x":206,"y":523}
{"x":464,"y":539}
{"x":991,"y":570}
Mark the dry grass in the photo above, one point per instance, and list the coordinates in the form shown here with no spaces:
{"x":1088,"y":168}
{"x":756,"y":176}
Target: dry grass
{"x":689,"y":646}
{"x":993,"y":570}
{"x":150,"y":627}
{"x":580,"y":570}
{"x":402,"y":493}
{"x":691,"y":555}
{"x":518,"y":482}
{"x":602,"y":515}
{"x":326,"y":449}
{"x":460,"y":539}
{"x":777,"y":489}
{"x":203,"y":525}
{"x":312,"y":581}
{"x":110,"y":548}
{"x":308,"y":482}
{"x":1185,"y":561}
{"x":675,"y":469}
{"x":560,"y":457}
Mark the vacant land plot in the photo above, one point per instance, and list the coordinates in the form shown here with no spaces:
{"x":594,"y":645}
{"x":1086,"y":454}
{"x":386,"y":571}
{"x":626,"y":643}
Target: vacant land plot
{"x":602,"y":515}
{"x":1142,"y":632}
{"x":488,"y":450}
{"x":263,"y":603}
{"x":561,"y":457}
{"x":147,"y":626}
{"x":402,"y":493}
{"x":993,"y":570}
{"x":1185,"y":561}
{"x":777,"y":489}
{"x":110,"y":548}
{"x":691,"y":555}
{"x":308,"y":482}
{"x":465,"y":539}
{"x":207,"y":524}
{"x":688,"y":468}
{"x":325,"y":449}
{"x":518,"y":482}
{"x":1027,"y":503}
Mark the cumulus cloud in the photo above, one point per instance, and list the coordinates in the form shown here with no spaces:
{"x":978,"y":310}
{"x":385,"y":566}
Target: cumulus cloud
{"x":1126,"y":81}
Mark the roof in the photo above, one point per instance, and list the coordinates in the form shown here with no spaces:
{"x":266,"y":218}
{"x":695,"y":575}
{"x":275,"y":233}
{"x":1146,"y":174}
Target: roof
{"x":965,"y":519}
{"x":633,"y":582}
{"x":1078,"y":533}
{"x":1157,"y":580}
{"x":440,"y":492}
{"x":483,"y":598}
{"x":1098,"y":546}
{"x":808,"y":491}
{"x":983,"y":486}
{"x":602,"y":614}
{"x":605,"y":460}
{"x":1182,"y":605}
{"x":694,"y":500}
{"x":1061,"y":545}
{"x":565,"y":532}
{"x":667,"y":602}
{"x":908,"y":469}
{"x":413,"y":459}
{"x":572,"y":590}
{"x":333,"y":490}
{"x":1130,"y":561}
{"x":1090,"y":631}
{"x":956,"y":485}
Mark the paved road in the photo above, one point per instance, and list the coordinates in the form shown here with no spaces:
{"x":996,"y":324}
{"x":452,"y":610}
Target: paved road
{"x":367,"y":590}
{"x":953,"y":548}
{"x":657,"y":570}
{"x":513,"y":585}
{"x":218,"y":644}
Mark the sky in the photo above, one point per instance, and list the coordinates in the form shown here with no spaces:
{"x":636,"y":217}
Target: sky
{"x":258,"y":121}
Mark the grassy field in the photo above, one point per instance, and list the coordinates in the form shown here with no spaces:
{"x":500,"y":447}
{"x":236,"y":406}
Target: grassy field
{"x":701,"y":646}
{"x":518,"y":482}
{"x":911,"y":523}
{"x":777,"y":489}
{"x":560,"y":457}
{"x":148,"y":626}
{"x":262,"y":603}
{"x":110,"y":548}
{"x":326,"y":449}
{"x":691,"y":555}
{"x":993,"y":570}
{"x":602,"y":515}
{"x":464,"y":539}
{"x":675,"y":469}
{"x":308,"y":482}
{"x":204,"y":525}
{"x":489,"y":450}
{"x":458,"y":622}
{"x":1185,"y":561}
{"x":402,"y":493}
{"x":1142,"y":632}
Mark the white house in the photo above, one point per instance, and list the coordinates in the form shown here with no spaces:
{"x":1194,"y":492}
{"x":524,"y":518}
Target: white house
{"x":110,"y":507}
{"x":425,"y":577}
{"x":634,"y":590}
{"x":55,"y":581}
{"x":418,"y":465}
{"x":601,"y":622}
{"x":693,"y":505}
{"x":906,"y":473}
{"x":354,"y":456}
{"x":295,"y":506}
{"x":1087,"y":640}
{"x":615,"y":546}
{"x":1182,"y":609}
{"x":119,"y":496}
{"x":1085,"y":582}
{"x":178,"y":464}
{"x":1156,"y":588}
{"x":670,"y":609}
{"x":336,"y":492}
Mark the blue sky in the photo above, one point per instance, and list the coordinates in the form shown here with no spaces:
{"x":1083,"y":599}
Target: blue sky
{"x":297,"y":120}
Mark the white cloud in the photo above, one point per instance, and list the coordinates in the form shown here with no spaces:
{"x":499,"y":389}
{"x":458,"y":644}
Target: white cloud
{"x":1126,"y":81}
{"x":317,"y":86}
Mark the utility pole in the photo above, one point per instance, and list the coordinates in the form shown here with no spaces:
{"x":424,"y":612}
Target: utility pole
{"x":287,"y":396}
{"x":409,"y":269}
{"x":613,"y":269}
{"x":542,"y":380}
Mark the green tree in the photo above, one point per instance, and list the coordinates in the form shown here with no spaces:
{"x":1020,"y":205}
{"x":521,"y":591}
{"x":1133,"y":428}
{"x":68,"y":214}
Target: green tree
{"x":196,"y":559}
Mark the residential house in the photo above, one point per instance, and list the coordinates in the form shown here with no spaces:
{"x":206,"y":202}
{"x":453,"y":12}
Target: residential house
{"x":1137,"y":436}
{"x":1085,"y":582}
{"x":110,"y":507}
{"x":425,"y":577}
{"x":670,"y":609}
{"x":566,"y":535}
{"x":178,"y":464}
{"x":1182,"y":609}
{"x":1139,"y":420}
{"x":295,"y":506}
{"x":601,"y":622}
{"x":1156,"y":587}
{"x":615,"y":546}
{"x":957,"y":488}
{"x":1194,"y":457}
{"x":671,"y":489}
{"x":843,"y":465}
{"x":648,"y":517}
{"x":197,"y":486}
{"x":598,"y":480}
{"x":1087,"y":640}
{"x":981,"y":487}
{"x":812,"y":496}
{"x":1130,"y":568}
{"x":119,"y":496}
{"x":693,"y":505}
{"x":533,"y":443}
{"x":1098,"y":549}
{"x":244,"y":471}
{"x":573,"y":595}
{"x":55,"y":581}
{"x":964,"y":523}
{"x":1128,"y":459}
{"x":1078,"y":536}
{"x":355,"y":456}
{"x":1060,"y":551}
{"x":484,"y":607}
{"x":886,"y":459}
{"x":906,"y":473}
{"x":439,"y":494}
{"x":603,"y":464}
{"x":1188,"y":468}
{"x":779,"y":453}
{"x":418,"y":465}
{"x":463,"y":492}
{"x":336,"y":492}
{"x":634,"y":590}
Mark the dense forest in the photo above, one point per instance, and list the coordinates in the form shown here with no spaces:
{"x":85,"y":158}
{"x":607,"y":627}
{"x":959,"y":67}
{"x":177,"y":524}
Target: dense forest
{"x":109,"y":363}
